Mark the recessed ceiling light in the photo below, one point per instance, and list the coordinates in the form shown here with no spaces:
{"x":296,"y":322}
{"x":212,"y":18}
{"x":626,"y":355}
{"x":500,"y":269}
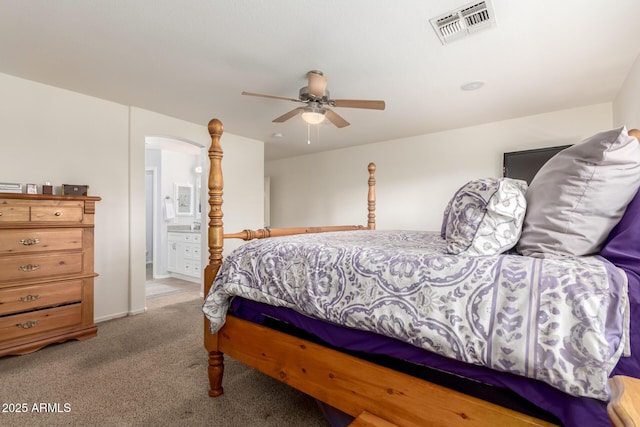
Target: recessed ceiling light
{"x":472,"y":85}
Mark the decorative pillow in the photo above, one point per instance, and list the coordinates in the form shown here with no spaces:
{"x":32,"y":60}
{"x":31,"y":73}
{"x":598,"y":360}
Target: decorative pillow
{"x":579,"y":195}
{"x":485,"y":216}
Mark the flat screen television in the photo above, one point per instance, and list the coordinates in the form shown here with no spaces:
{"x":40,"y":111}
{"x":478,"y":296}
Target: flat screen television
{"x":525,"y":164}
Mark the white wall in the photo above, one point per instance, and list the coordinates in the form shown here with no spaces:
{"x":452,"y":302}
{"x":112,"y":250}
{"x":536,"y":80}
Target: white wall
{"x":51,"y":134}
{"x":243,"y":170}
{"x":626,"y":107}
{"x":415,"y":176}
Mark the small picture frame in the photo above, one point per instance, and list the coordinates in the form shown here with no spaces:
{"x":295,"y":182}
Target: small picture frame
{"x":32,"y":189}
{"x":184,"y":199}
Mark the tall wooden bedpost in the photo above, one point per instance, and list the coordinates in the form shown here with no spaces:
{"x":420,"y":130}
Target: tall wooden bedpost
{"x":371,"y":221}
{"x":216,"y":239}
{"x":216,"y":187}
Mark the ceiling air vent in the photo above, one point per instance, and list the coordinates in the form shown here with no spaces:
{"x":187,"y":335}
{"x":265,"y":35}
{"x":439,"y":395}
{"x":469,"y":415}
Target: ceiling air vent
{"x":463,"y":21}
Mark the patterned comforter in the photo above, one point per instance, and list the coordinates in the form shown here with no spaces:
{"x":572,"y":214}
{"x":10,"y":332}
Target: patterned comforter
{"x":561,"y":321}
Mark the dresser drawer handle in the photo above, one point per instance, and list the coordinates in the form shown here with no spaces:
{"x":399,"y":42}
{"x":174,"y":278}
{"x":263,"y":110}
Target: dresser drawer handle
{"x":29,"y":242}
{"x":30,"y":298}
{"x":58,"y":213}
{"x":28,"y":325}
{"x":0,"y":213}
{"x":29,"y":267}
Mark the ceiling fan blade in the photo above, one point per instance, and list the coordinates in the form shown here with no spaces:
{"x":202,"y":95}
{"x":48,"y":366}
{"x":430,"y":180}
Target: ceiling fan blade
{"x":317,"y":83}
{"x":287,"y":116}
{"x":334,"y":118}
{"x":359,"y":103}
{"x":271,"y":96}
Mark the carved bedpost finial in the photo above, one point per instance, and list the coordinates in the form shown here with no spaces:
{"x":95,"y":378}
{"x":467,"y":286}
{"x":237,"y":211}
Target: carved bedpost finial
{"x":215,"y":127}
{"x":371,"y":222}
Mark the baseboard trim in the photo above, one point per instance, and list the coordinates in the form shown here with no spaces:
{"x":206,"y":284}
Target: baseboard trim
{"x":111,"y":316}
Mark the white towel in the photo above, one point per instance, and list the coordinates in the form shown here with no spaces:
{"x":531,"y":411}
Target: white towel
{"x":169,"y":211}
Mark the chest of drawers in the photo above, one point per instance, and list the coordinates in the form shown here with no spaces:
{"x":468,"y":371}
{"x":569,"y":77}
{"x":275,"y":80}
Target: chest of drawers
{"x":46,"y":270}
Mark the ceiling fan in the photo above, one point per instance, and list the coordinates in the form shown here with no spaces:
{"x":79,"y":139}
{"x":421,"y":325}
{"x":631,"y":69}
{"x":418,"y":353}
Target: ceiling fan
{"x":317,"y":99}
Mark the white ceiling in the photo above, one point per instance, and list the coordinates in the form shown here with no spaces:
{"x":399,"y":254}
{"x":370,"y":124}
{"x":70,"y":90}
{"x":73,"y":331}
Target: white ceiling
{"x":191,"y":59}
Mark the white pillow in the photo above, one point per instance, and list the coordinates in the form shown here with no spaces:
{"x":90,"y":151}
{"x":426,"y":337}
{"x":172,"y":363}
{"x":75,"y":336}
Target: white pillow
{"x":579,"y":195}
{"x":485,"y":216}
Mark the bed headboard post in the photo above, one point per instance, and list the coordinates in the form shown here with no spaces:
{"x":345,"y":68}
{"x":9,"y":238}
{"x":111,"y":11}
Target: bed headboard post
{"x":216,"y":186}
{"x":371,"y":221}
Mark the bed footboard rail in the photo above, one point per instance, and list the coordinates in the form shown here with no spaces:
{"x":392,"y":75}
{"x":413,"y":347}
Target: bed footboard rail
{"x":265,"y":233}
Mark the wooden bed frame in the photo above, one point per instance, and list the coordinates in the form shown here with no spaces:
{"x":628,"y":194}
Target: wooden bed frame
{"x":374,"y":395}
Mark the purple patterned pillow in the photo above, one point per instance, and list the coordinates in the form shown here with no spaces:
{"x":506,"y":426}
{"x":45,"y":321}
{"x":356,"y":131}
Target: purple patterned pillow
{"x":485,"y":216}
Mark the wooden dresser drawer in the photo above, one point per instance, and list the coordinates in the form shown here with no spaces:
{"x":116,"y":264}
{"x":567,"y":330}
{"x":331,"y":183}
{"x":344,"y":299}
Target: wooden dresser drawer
{"x":44,"y":211}
{"x":15,"y":300}
{"x":36,"y":266}
{"x":9,"y":213}
{"x":20,"y":325}
{"x":40,"y":240}
{"x":67,"y":212}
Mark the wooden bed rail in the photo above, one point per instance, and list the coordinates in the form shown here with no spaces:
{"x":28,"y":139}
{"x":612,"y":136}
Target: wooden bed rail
{"x":277,"y":232}
{"x":623,"y":407}
{"x":265,"y":233}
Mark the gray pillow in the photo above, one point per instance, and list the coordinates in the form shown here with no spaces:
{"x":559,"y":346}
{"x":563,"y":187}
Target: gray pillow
{"x":485,"y":216}
{"x":579,"y":195}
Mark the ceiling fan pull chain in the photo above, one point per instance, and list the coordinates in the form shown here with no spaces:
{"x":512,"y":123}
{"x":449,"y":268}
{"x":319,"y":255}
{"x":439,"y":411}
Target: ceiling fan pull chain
{"x":308,"y":133}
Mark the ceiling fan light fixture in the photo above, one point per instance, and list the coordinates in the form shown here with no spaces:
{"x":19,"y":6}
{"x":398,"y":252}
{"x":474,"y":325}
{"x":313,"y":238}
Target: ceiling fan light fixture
{"x":313,"y":116}
{"x":316,"y":97}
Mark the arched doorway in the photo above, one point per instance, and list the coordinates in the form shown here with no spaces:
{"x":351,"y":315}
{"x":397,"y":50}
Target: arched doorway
{"x":174,"y":235}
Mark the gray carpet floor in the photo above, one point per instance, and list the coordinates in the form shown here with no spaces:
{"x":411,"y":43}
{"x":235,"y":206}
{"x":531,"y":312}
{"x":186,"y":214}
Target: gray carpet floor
{"x":145,"y":370}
